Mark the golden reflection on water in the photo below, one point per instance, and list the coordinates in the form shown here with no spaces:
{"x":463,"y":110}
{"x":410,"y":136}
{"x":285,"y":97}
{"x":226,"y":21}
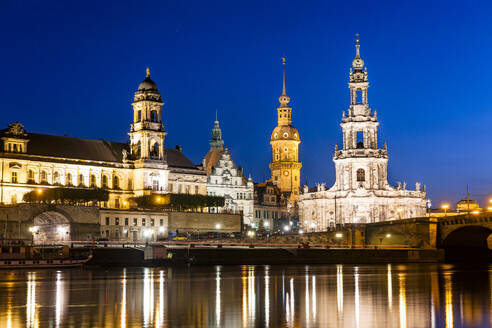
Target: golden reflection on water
{"x":403,"y":300}
{"x":248,"y":296}
{"x":448,"y":296}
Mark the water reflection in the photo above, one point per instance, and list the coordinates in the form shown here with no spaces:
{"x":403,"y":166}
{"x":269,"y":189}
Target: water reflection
{"x":249,"y":296}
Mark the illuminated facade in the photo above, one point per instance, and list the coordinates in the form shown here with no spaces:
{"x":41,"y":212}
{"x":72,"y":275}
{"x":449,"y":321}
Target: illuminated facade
{"x":30,"y":160}
{"x":285,"y":166}
{"x":227,"y":180}
{"x":361,"y":193}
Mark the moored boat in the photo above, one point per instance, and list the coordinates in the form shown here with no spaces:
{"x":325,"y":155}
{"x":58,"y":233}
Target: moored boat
{"x":16,"y":254}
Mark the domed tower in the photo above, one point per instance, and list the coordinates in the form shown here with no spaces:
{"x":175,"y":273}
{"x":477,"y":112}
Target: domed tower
{"x":147,"y":131}
{"x":285,"y":166}
{"x":147,"y":140}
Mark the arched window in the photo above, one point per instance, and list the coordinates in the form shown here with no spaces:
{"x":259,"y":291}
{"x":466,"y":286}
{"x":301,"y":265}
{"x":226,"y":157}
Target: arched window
{"x":104,"y":182}
{"x":68,"y":179}
{"x":93,"y":181}
{"x":56,"y":178}
{"x":153,"y":116}
{"x":139,"y":116}
{"x":30,"y":176}
{"x":81,"y":180}
{"x":43,"y":177}
{"x":154,"y":150}
{"x":116,"y":182}
{"x":361,"y":175}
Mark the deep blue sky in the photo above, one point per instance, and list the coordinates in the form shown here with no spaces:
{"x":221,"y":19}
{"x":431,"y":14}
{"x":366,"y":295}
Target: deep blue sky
{"x":71,"y":67}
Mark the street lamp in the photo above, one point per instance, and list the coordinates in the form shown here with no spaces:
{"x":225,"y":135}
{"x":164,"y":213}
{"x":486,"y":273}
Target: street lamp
{"x":39,"y":191}
{"x":445,"y":208}
{"x":338,"y":235}
{"x":217,"y":226}
{"x":388,"y":235}
{"x":286,"y":228}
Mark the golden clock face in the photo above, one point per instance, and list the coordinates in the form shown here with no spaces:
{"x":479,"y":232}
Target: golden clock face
{"x":286,"y":173}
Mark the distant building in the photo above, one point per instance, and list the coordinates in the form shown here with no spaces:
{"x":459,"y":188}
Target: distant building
{"x":33,"y":161}
{"x":227,"y":180}
{"x":272,"y":209}
{"x":361,"y":193}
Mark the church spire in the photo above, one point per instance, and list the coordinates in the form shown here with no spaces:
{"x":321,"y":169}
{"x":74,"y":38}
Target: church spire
{"x":216,"y":141}
{"x":284,"y":99}
{"x":357,"y":63}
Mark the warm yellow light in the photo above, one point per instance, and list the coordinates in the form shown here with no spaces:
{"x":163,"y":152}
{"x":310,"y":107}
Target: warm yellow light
{"x":489,"y":208}
{"x":388,"y":235}
{"x":39,"y":191}
{"x":338,"y":235}
{"x":33,"y":229}
{"x":444,"y":206}
{"x":490,"y":200}
{"x":476,"y":212}
{"x":158,"y":199}
{"x":125,"y":203}
{"x":399,"y":210}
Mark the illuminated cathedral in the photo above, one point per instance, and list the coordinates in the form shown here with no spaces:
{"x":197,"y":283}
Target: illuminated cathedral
{"x":361,"y":193}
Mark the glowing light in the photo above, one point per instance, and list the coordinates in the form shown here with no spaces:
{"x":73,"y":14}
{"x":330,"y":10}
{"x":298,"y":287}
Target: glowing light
{"x":267,"y":297}
{"x":388,"y":235}
{"x":158,"y":199}
{"x":123,"y":300}
{"x":217,"y":226}
{"x":403,"y":301}
{"x":448,"y":294}
{"x":390,"y":287}
{"x":59,"y":298}
{"x":399,"y":210}
{"x":286,"y":228}
{"x":217,"y":297}
{"x":147,"y":233}
{"x":444,"y":206}
{"x":31,"y":300}
{"x":357,"y":297}
{"x":313,"y":293}
{"x":340,"y":288}
{"x":162,"y":229}
{"x":266,"y":224}
{"x":338,"y":235}
{"x":476,"y":212}
{"x":148,"y":296}
{"x":39,"y":191}
{"x":34,"y":229}
{"x":301,"y":232}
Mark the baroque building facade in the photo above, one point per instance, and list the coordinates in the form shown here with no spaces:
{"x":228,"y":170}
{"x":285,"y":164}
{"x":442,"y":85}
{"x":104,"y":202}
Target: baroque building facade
{"x":31,"y":161}
{"x":361,"y":193}
{"x":225,"y":179}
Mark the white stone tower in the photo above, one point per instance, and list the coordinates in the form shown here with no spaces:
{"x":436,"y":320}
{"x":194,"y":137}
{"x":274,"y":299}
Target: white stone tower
{"x":360,"y":164}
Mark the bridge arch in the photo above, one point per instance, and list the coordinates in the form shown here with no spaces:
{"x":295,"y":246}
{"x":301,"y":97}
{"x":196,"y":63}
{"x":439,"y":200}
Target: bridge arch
{"x":472,"y":236}
{"x":51,"y":227}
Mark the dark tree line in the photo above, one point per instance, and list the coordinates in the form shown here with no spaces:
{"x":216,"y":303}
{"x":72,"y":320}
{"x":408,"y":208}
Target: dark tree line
{"x":70,"y":196}
{"x":178,"y":201}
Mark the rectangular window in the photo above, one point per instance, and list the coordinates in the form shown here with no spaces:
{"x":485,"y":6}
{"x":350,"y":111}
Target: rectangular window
{"x":170,"y":187}
{"x":196,"y":190}
{"x":135,"y":222}
{"x":155,"y":185}
{"x":117,"y":221}
{"x":107,"y":220}
{"x":162,"y":222}
{"x":151,"y":222}
{"x":143,"y":222}
{"x":126,"y":221}
{"x":117,"y":203}
{"x":14,"y":177}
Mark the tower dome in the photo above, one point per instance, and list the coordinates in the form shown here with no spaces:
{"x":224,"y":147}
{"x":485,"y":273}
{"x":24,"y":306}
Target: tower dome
{"x":357,"y":63}
{"x":147,"y":90}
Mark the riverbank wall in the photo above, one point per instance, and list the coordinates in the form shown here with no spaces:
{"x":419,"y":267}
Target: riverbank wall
{"x":270,"y":256}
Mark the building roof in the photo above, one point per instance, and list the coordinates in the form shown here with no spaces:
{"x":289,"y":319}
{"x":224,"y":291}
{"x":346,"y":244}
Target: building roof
{"x":86,"y":149}
{"x":211,"y":159}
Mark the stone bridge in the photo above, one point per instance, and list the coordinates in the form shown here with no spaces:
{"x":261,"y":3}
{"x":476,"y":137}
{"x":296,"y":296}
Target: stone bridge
{"x":464,"y":231}
{"x":53,"y":222}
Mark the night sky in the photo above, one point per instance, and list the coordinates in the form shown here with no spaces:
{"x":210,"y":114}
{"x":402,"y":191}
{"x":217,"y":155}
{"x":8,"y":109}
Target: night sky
{"x":71,"y":67}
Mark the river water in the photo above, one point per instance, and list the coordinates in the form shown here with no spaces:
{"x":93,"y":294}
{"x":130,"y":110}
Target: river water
{"x":407,"y":295}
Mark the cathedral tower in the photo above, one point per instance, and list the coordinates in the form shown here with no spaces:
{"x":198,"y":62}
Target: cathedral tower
{"x":360,"y":164}
{"x":147,"y":139}
{"x":216,"y":141}
{"x":147,"y":131}
{"x":285,"y":166}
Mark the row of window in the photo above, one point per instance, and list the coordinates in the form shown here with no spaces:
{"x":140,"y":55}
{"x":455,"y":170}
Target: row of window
{"x":187,"y":189}
{"x":268,"y":214}
{"x":43,"y":179}
{"x":134,"y":222}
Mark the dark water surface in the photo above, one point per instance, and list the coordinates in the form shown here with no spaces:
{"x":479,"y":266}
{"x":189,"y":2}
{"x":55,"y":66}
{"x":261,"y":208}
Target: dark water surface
{"x":415,"y":295}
